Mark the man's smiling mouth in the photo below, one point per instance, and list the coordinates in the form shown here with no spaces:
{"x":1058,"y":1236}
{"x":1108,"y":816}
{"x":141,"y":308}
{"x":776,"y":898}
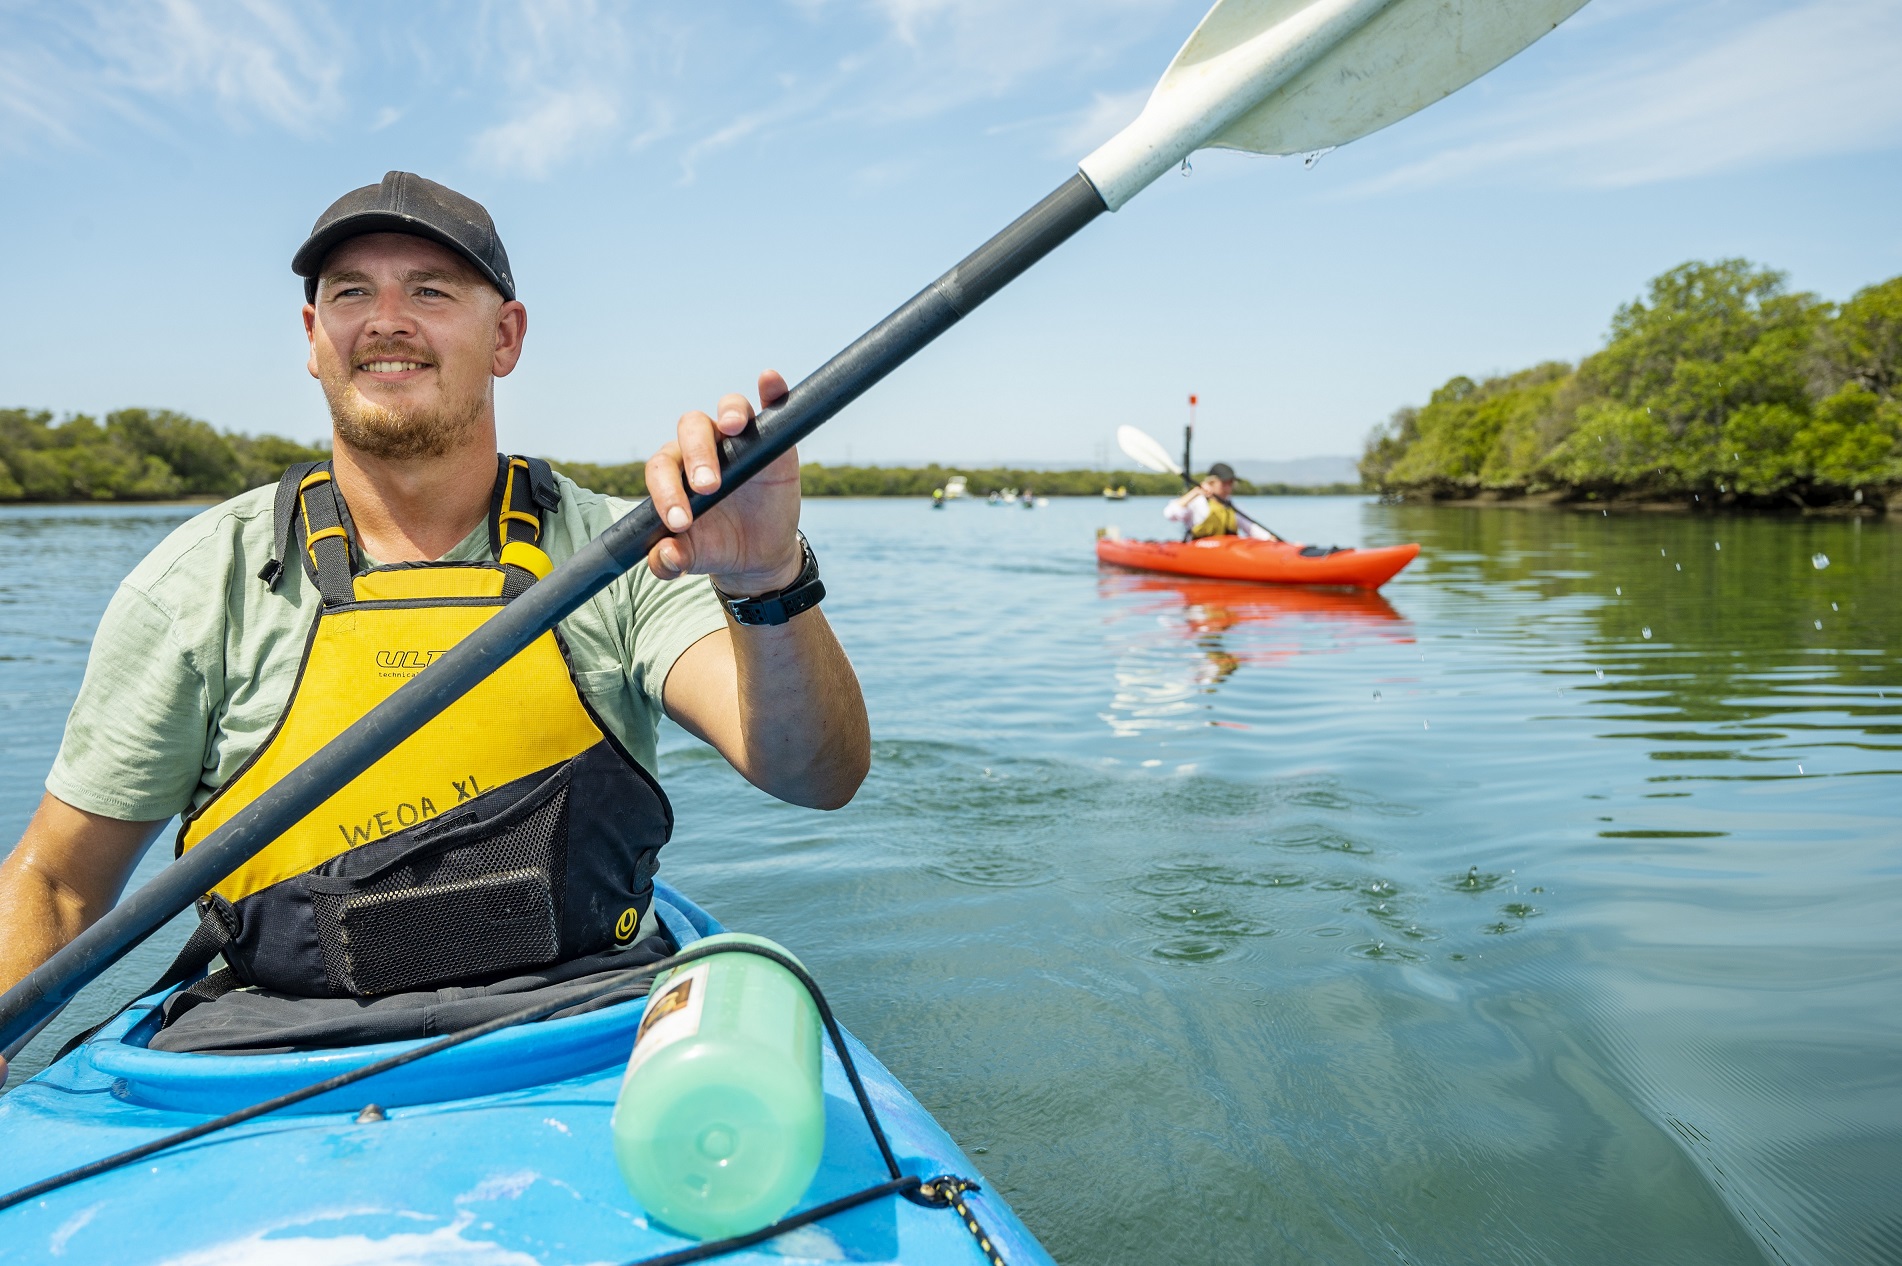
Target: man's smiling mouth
{"x":392,"y":366}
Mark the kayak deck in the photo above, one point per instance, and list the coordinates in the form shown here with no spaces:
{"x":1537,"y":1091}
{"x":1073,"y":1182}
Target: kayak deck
{"x":502,"y":1156}
{"x":1271,"y":562}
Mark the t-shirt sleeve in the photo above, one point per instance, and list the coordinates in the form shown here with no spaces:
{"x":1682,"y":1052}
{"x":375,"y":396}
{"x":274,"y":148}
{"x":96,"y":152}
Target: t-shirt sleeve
{"x":669,"y":617}
{"x":134,"y":747}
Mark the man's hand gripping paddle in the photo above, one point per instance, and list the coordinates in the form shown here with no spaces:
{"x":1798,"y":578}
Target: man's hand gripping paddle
{"x":1144,"y":451}
{"x":1266,"y":76}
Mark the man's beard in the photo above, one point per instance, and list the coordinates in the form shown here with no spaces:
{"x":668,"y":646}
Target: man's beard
{"x":395,"y":434}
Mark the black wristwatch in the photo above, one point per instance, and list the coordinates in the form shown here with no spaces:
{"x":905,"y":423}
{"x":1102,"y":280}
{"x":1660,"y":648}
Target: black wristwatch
{"x":804,"y":593}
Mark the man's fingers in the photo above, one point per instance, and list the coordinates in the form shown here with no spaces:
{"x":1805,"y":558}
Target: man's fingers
{"x":734,"y":411}
{"x":771,"y":387}
{"x":671,"y":558}
{"x":666,"y":491}
{"x":699,"y":452}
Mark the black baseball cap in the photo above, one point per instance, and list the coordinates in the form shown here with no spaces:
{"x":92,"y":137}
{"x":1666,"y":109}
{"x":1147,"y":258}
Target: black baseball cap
{"x":406,"y":203}
{"x":1222,"y":471}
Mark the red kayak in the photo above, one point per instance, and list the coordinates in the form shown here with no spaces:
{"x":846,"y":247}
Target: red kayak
{"x":1244,"y":558}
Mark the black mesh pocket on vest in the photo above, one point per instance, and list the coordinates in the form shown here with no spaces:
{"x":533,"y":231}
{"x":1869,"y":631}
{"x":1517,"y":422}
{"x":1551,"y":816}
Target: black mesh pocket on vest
{"x":475,"y":907}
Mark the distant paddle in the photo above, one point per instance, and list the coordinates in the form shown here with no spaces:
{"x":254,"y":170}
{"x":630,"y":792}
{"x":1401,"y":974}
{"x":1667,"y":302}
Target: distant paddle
{"x":1267,"y":76}
{"x":1144,"y":451}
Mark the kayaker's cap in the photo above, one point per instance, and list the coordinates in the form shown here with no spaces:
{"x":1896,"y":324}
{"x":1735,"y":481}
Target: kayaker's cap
{"x":1222,"y":471}
{"x":406,"y":203}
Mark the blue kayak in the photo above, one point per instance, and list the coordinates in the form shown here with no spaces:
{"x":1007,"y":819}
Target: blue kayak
{"x":492,"y":1153}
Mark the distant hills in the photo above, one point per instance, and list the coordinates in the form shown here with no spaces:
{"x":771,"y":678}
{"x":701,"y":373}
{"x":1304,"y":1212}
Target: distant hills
{"x":1300,"y":471}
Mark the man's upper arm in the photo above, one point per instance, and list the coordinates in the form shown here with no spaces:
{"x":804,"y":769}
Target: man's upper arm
{"x":85,"y":855}
{"x":134,"y":746}
{"x":701,"y":690}
{"x":669,"y":618}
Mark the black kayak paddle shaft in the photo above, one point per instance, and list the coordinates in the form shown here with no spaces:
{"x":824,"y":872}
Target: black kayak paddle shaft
{"x":623,"y":546}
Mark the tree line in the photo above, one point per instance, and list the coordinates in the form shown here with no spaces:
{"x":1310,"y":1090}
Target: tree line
{"x":816,"y":480}
{"x":1720,"y":386}
{"x":156,"y":454}
{"x":134,"y":455}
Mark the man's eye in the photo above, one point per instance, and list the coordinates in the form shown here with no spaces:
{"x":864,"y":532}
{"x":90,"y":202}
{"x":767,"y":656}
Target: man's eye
{"x":348,"y":291}
{"x":430,"y":292}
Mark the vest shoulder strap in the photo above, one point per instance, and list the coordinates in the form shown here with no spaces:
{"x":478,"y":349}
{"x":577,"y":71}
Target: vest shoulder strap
{"x":309,"y":517}
{"x":525,"y":492}
{"x":281,"y":518}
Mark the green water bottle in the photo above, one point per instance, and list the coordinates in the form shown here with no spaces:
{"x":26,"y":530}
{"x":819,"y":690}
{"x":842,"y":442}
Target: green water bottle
{"x":721,"y":1116}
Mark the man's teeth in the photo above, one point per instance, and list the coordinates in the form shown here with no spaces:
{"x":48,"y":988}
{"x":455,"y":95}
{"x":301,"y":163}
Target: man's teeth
{"x":392,"y":366}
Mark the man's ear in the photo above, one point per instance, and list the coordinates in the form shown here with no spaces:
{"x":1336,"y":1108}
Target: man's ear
{"x":310,"y":337}
{"x":511,"y":328}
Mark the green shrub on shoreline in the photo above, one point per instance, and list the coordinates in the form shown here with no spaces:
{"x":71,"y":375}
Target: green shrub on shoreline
{"x":134,"y":455}
{"x":1719,"y":388}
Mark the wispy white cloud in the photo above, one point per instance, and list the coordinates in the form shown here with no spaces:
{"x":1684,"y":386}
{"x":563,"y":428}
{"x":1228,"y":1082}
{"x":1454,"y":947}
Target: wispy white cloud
{"x":256,"y":61}
{"x":1818,"y":77}
{"x":546,"y":134}
{"x":919,"y":60}
{"x":1104,"y":117}
{"x":564,"y":64}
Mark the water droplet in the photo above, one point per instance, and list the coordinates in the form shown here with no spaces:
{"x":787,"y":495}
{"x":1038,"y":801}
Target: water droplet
{"x":1717,"y":544}
{"x":1680,"y":566}
{"x":1376,"y":696}
{"x":1619,"y":590}
{"x":1647,"y":633}
{"x":1660,"y":553}
{"x":1819,"y":626}
{"x":1819,"y":561}
{"x":1186,"y":169}
{"x":1833,"y":607}
{"x":1601,"y":674}
{"x":1425,"y":726}
{"x":1799,"y":769}
{"x":1310,"y":159}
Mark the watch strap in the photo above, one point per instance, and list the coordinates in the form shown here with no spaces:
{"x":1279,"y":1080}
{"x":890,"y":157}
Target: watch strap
{"x":804,"y":593}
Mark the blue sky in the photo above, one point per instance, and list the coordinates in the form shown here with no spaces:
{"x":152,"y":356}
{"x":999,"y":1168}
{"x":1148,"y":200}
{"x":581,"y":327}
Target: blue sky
{"x":692,"y":190}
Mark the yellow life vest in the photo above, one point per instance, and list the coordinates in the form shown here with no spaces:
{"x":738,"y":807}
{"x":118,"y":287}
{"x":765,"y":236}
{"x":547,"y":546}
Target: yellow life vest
{"x":512,"y":831}
{"x":1219,"y":521}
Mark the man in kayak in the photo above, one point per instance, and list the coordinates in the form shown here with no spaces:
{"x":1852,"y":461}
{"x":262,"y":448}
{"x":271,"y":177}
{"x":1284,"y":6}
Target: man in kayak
{"x":1208,"y":508}
{"x":518,"y":830}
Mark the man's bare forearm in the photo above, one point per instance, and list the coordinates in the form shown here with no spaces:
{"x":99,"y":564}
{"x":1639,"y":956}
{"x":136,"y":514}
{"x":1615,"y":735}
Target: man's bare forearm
{"x":801,"y":712}
{"x":782,"y":704}
{"x":66,"y":871}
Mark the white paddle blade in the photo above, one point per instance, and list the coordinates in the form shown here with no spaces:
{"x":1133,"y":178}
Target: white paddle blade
{"x":1145,"y":452}
{"x":1290,"y":76}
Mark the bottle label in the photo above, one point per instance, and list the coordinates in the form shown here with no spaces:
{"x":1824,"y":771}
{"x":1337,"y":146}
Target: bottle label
{"x":672,"y":1015}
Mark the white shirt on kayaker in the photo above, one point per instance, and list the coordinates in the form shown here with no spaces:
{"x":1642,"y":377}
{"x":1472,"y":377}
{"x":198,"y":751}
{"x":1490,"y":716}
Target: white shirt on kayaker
{"x":1196,"y":509}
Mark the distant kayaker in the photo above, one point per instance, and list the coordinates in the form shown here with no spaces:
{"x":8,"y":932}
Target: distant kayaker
{"x":517,"y":832}
{"x":1207,"y":509}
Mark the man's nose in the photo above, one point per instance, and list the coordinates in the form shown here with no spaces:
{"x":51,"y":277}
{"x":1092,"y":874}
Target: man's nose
{"x":392,"y":317}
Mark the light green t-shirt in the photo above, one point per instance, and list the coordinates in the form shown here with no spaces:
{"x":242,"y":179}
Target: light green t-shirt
{"x":194,"y":659}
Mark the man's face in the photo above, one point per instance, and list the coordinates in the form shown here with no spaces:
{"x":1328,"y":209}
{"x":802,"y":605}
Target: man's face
{"x":407,"y":340}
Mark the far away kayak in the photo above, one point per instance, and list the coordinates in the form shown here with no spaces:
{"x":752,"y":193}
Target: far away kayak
{"x":1244,"y":558}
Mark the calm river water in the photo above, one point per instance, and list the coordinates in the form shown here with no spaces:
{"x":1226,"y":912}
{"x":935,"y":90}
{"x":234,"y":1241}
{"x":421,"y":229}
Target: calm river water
{"x":1547,"y":908}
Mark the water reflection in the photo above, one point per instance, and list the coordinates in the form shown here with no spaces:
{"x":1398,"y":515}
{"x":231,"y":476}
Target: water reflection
{"x":1224,"y":625}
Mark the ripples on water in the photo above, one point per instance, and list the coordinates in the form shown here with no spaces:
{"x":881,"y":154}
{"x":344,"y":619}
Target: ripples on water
{"x":1226,"y":924}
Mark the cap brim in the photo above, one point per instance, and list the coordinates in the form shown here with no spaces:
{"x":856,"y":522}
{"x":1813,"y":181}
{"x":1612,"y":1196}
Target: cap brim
{"x":309,"y":259}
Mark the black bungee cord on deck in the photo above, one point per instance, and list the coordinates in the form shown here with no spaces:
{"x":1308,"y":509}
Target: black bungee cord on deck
{"x":946,"y":1192}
